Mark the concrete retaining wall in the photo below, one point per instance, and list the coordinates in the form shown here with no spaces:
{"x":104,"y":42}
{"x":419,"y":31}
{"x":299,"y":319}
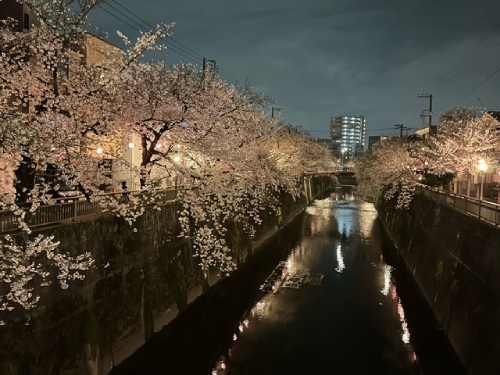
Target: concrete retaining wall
{"x":455,"y":260}
{"x":140,"y":282}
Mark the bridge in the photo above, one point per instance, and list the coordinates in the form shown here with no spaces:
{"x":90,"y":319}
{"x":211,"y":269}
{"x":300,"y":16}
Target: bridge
{"x":337,"y":173}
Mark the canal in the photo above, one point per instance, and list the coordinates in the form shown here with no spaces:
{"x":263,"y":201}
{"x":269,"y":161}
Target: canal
{"x":328,"y":296}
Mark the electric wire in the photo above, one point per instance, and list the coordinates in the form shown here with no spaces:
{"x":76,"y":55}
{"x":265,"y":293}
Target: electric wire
{"x":459,"y":69}
{"x":151,"y":26}
{"x":444,"y":78}
{"x":183,"y":49}
{"x":138,"y":30}
{"x":409,"y":114}
{"x":223,"y":72}
{"x":471,"y":64}
{"x":472,"y":90}
{"x":468,"y":67}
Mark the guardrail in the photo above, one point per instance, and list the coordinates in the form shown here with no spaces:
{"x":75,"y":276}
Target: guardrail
{"x":63,"y":211}
{"x":486,"y":211}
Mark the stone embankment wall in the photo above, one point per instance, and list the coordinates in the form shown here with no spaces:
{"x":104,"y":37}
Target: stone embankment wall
{"x":139,"y":283}
{"x":455,"y":260}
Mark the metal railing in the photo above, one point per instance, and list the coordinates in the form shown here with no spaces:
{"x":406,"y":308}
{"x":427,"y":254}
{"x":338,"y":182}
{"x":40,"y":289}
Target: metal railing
{"x":483,"y":210}
{"x":64,"y":211}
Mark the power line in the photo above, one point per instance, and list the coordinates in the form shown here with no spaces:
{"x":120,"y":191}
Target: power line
{"x":408,"y":115}
{"x":474,"y":61}
{"x":223,"y":72}
{"x":458,"y":75}
{"x":185,"y":49}
{"x":472,"y":90}
{"x":393,"y":129}
{"x":174,"y":49}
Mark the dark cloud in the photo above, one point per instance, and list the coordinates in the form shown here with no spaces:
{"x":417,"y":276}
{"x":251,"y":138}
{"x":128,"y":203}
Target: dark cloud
{"x":322,"y":58}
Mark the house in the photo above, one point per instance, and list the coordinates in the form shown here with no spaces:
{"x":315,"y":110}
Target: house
{"x":20,"y":12}
{"x":92,"y":51}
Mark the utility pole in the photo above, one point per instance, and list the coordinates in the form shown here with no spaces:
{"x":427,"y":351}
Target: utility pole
{"x":209,"y":65}
{"x":432,"y":129}
{"x":274,"y":109}
{"x":400,"y":127}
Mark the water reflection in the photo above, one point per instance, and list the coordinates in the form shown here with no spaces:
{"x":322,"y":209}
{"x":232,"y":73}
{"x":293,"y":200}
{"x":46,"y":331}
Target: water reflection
{"x":387,"y":279}
{"x":389,"y":290}
{"x":340,"y":260}
{"x":353,"y":322}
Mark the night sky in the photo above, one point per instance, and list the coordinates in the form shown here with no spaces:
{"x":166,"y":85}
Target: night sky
{"x":320,"y":58}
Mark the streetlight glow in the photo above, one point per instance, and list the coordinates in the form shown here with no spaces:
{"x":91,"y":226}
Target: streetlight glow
{"x":482,"y":167}
{"x":99,"y":150}
{"x":131,"y":145}
{"x":343,"y":153}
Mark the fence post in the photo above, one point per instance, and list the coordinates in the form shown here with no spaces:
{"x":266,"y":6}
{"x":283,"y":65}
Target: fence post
{"x":75,"y":211}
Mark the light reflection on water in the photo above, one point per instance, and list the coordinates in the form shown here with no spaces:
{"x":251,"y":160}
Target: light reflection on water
{"x":340,"y":260}
{"x":337,"y":241}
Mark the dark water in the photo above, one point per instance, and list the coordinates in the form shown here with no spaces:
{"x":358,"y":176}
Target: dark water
{"x":364,"y":317}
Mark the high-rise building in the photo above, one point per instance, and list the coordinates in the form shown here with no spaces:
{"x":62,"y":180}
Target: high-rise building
{"x":348,"y":135}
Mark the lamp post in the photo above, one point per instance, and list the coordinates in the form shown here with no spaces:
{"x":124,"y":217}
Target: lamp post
{"x":178,"y":159}
{"x":131,"y":146}
{"x":343,"y":153}
{"x":482,"y":167}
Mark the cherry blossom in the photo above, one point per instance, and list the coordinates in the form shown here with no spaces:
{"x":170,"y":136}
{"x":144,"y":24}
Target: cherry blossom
{"x":212,"y":140}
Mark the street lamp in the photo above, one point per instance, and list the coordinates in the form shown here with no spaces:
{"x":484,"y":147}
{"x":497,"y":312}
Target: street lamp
{"x":343,"y":152}
{"x":482,"y":167}
{"x":131,"y":146}
{"x":179,"y":159}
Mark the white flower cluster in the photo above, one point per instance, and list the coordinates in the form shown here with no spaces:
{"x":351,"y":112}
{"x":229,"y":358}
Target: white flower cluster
{"x":65,"y":113}
{"x":396,"y":167}
{"x":21,"y":266}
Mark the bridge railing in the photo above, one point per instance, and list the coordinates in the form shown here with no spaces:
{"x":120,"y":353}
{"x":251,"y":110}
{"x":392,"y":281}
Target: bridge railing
{"x":486,"y":211}
{"x":62,"y":211}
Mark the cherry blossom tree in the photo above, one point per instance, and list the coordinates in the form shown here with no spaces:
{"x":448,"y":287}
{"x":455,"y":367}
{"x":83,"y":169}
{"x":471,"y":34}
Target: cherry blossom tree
{"x":58,"y":109}
{"x":463,"y":138}
{"x":398,"y":166}
{"x":54,"y":107}
{"x":197,"y":128}
{"x":249,"y":166}
{"x":390,"y":170}
{"x":55,"y":101}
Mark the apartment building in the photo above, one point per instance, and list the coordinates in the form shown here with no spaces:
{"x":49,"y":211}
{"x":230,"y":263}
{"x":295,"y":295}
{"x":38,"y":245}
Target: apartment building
{"x":91,"y":50}
{"x":348,"y":135}
{"x":21,"y":13}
